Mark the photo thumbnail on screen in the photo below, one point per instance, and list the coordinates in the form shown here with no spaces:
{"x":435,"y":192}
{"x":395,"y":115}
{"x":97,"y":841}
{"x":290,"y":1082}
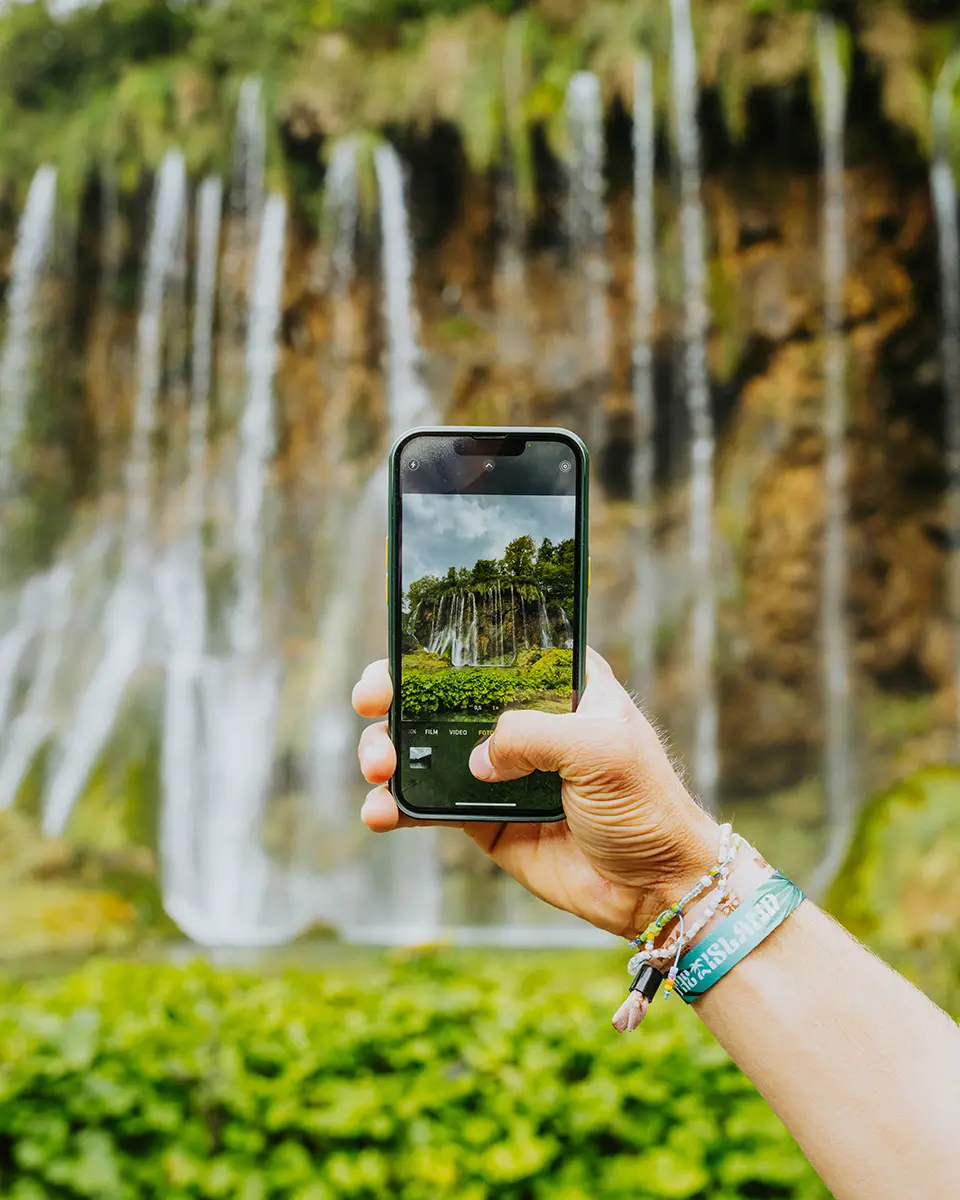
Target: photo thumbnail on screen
{"x":488,"y":606}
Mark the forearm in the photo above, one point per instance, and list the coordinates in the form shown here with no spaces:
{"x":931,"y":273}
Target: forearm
{"x":861,"y":1067}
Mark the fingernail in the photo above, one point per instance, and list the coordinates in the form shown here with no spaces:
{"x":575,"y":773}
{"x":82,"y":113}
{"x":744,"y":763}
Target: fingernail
{"x":480,"y":763}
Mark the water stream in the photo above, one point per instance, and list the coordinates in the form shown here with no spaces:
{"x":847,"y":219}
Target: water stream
{"x":839,"y":788}
{"x":643,"y":630}
{"x":943,"y":185}
{"x":586,"y":221}
{"x":130,"y":608}
{"x":696,"y":323}
{"x":17,"y":356}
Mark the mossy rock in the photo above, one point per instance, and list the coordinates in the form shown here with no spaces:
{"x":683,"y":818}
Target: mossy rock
{"x":899,"y":889}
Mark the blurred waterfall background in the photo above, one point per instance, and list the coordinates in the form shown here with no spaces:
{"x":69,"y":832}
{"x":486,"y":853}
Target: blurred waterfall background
{"x":722,"y":243}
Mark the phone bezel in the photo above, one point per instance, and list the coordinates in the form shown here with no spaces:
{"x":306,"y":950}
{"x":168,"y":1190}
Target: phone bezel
{"x":394,"y":601}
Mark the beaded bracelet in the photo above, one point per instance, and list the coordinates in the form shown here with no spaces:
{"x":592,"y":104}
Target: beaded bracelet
{"x":720,"y":873}
{"x":648,"y":978}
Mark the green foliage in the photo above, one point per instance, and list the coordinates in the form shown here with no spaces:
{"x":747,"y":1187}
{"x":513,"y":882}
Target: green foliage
{"x":120,"y":83}
{"x":518,"y":558}
{"x":899,"y":889}
{"x":425,"y":690}
{"x":434,"y":1076}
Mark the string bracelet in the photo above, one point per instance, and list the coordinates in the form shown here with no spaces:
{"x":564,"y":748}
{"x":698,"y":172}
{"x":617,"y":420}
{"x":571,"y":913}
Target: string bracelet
{"x":647,"y":978}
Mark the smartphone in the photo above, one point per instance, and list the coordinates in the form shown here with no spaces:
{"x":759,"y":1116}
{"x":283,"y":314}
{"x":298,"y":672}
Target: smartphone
{"x":487,"y":577}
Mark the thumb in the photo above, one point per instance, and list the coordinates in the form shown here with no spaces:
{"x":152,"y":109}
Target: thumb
{"x":572,"y":744}
{"x":527,"y":741}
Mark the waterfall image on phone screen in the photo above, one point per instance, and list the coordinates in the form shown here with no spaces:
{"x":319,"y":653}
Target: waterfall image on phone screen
{"x":488,"y":582}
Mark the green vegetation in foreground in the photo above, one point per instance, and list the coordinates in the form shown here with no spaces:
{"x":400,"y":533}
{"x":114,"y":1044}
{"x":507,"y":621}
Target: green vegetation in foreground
{"x":436,"y":1075}
{"x":541,"y":679}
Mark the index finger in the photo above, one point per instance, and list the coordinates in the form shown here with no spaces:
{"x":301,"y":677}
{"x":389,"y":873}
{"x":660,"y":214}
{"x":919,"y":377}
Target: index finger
{"x":373,"y":693}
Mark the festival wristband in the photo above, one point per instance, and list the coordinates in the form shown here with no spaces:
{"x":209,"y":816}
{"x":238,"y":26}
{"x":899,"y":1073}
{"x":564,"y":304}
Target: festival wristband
{"x":733,"y":939}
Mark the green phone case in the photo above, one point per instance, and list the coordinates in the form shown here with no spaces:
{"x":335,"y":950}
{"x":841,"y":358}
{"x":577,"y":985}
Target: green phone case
{"x":394,"y":597}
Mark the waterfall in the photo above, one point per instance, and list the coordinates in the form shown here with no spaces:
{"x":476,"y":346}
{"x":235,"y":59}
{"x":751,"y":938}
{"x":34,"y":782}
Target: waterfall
{"x":15,"y":641}
{"x":129,"y":609}
{"x":250,"y":157}
{"x":30,"y":256}
{"x":410,"y":875}
{"x":567,"y":629}
{"x":35,"y":722}
{"x":407,"y":397}
{"x":183,"y":588}
{"x":341,"y":216}
{"x":513,"y":623}
{"x":943,"y":184}
{"x":473,"y":633}
{"x":684,"y":78}
{"x":209,"y":206}
{"x":835,"y":643}
{"x":257,"y":425}
{"x":230,"y":892}
{"x":341,"y":209}
{"x":546,"y":634}
{"x":644,"y":625}
{"x":586,"y":229}
{"x":511,"y":302}
{"x":170,"y":196}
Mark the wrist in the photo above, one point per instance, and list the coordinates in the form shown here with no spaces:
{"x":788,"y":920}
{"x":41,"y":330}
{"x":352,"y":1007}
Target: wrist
{"x":747,"y":872}
{"x":698,"y":846}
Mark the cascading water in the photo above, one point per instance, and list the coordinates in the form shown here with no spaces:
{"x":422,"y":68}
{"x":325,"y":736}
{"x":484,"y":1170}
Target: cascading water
{"x":257,"y":426}
{"x":409,"y":882}
{"x":408,"y":400}
{"x":943,"y":183}
{"x":341,"y":215}
{"x":696,"y":317}
{"x":34,"y":723}
{"x":510,"y":285}
{"x":250,"y":158}
{"x":21,"y":613}
{"x":586,"y":230}
{"x":835,"y":638}
{"x":239,"y":897}
{"x":546,"y":634}
{"x":644,"y":625}
{"x":183,"y":590}
{"x":455,"y":627}
{"x":567,"y":629}
{"x":129,"y":610}
{"x":30,"y":257}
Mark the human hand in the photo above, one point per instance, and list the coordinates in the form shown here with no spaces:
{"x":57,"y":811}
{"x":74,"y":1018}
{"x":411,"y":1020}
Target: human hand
{"x":633,"y":841}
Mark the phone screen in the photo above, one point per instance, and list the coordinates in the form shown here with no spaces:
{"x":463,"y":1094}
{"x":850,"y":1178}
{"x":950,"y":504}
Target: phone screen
{"x":487,"y":620}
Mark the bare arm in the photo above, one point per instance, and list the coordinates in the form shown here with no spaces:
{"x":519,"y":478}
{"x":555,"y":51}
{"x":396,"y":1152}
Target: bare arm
{"x":860,"y":1066}
{"x":863,"y":1070}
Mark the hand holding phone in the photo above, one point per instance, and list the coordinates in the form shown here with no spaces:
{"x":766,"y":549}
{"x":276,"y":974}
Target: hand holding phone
{"x":633,"y":839}
{"x":487,"y":580}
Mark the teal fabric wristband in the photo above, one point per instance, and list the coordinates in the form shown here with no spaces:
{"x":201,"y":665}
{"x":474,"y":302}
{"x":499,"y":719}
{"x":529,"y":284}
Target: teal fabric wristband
{"x":734,"y":938}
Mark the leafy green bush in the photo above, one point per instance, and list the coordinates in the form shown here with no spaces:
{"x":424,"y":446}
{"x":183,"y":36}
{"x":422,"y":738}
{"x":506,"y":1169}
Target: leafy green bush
{"x":425,"y":690}
{"x":435,"y":1076}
